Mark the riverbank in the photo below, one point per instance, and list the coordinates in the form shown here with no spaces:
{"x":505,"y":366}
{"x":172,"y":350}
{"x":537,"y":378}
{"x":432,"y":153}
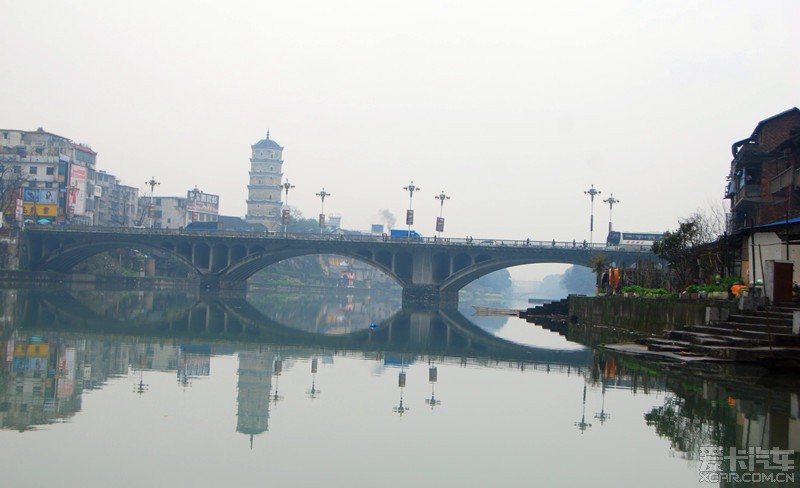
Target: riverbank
{"x":49,"y":279}
{"x":691,"y":330}
{"x":645,"y":315}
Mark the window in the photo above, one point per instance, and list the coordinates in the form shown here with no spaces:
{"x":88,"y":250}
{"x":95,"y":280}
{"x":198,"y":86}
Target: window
{"x":48,"y":184}
{"x":33,"y":170}
{"x":51,"y":170}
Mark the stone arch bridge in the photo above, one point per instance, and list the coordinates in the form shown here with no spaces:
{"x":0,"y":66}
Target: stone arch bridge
{"x":429,"y":270}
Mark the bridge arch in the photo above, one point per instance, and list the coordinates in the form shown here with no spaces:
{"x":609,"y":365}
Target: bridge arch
{"x":66,"y":255}
{"x":430,"y":271}
{"x":245,"y":268}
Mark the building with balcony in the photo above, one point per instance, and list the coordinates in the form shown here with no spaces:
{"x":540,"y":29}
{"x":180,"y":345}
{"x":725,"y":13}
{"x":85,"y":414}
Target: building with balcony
{"x":764,"y":190}
{"x":53,"y":180}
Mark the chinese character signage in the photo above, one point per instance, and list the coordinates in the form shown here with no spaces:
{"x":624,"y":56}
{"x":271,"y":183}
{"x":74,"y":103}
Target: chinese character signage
{"x":199,"y":202}
{"x":321,"y":221}
{"x":439,"y":224}
{"x":409,"y":217}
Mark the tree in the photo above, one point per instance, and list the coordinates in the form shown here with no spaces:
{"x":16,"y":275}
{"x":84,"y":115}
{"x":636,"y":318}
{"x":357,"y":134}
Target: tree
{"x":578,"y":280}
{"x":693,"y":250}
{"x":598,"y":263}
{"x":10,"y":181}
{"x":300,"y":225}
{"x":496,"y":281}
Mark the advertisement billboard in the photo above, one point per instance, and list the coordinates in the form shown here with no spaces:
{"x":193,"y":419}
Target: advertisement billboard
{"x":439,"y":224}
{"x":76,"y":200}
{"x":40,"y":203}
{"x":202,"y":202}
{"x":409,"y":217}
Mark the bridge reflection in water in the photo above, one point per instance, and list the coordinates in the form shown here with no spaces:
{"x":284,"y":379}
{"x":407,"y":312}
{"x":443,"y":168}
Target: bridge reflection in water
{"x":62,"y":344}
{"x":202,"y":318}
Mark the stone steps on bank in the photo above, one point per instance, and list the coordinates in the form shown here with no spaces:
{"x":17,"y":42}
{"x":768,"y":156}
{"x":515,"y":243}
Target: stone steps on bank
{"x":736,"y":327}
{"x":762,"y":337}
{"x":771,"y":319}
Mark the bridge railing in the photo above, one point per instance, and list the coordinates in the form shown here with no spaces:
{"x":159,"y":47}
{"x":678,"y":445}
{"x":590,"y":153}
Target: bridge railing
{"x":439,"y":241}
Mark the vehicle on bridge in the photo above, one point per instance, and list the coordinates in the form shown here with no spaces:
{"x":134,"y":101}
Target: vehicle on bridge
{"x":638,"y":241}
{"x":404,"y":234}
{"x":216,"y":225}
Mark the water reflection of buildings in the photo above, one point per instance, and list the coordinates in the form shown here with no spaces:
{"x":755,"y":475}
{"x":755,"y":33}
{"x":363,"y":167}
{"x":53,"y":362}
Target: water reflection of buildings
{"x":43,"y":377}
{"x":254,"y":387}
{"x":41,"y":382}
{"x":708,"y":405}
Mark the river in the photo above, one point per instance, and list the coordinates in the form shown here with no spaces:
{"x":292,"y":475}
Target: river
{"x":138,"y":388}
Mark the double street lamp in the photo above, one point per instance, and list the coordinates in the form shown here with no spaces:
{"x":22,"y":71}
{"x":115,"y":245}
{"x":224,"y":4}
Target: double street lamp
{"x":591,"y":192}
{"x":285,"y":212}
{"x":440,"y":221}
{"x":152,"y":183}
{"x":610,"y":201}
{"x":196,"y":192}
{"x":322,"y":194}
{"x":411,"y":188}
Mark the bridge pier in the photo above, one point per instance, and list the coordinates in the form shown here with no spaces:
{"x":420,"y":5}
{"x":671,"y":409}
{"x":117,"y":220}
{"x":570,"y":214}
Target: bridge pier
{"x":429,"y":297}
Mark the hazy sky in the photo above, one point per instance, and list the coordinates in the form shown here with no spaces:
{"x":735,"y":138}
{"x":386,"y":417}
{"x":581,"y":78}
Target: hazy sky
{"x":513,"y":108}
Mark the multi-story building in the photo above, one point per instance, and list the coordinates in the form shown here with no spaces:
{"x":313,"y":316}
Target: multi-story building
{"x":113,"y":204}
{"x":177,"y":212}
{"x":264,"y":190}
{"x":55,"y":181}
{"x":764,"y":190}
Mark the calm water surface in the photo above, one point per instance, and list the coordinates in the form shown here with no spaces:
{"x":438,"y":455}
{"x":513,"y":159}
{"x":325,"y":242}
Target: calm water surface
{"x":160,"y":389}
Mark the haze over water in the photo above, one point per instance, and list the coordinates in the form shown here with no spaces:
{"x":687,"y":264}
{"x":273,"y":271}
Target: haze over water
{"x":152,"y":389}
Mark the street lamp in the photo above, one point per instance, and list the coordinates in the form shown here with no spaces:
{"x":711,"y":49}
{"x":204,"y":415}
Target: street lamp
{"x":410,"y":213}
{"x":610,"y":201}
{"x":582,"y":424}
{"x":152,"y":183}
{"x":322,"y":194}
{"x":285,"y":212}
{"x":440,"y":221}
{"x":195,"y":193}
{"x":592,"y":192}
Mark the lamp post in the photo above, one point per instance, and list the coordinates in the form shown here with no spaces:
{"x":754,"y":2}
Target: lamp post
{"x":152,"y":183}
{"x":322,"y":194}
{"x":610,"y":201}
{"x":285,"y":212}
{"x":411,"y":188}
{"x":582,"y":424}
{"x":440,"y":221}
{"x":195,"y":193}
{"x":591,"y":192}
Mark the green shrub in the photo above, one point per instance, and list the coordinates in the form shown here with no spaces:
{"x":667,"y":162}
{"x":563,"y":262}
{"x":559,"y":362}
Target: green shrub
{"x":712,"y":288}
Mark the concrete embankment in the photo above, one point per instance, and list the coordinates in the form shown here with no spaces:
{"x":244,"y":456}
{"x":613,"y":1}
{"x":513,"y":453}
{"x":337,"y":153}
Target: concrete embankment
{"x":651,"y":316}
{"x":694,"y":330}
